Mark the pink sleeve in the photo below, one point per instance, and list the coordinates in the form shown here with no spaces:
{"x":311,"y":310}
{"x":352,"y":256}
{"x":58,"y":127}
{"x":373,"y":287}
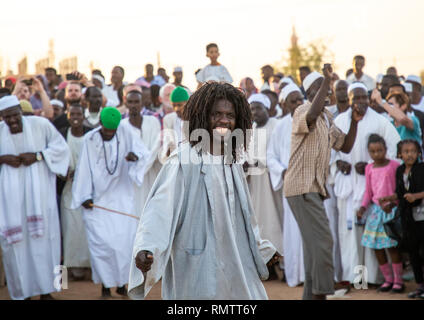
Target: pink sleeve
{"x":368,"y":188}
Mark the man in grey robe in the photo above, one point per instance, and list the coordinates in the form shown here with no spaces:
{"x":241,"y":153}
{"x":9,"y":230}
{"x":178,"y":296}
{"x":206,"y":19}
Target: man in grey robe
{"x":198,"y":230}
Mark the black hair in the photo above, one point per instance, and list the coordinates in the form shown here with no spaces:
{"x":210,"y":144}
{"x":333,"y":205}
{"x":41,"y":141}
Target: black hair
{"x":87,"y":92}
{"x":134,"y":91}
{"x":5,"y":91}
{"x":305,"y":68}
{"x":121,"y":94}
{"x":197,"y":111}
{"x":76,"y":104}
{"x":121,"y":69}
{"x":408,"y":141}
{"x":359,"y":57}
{"x":161,"y":68}
{"x":98,"y":72}
{"x":267,"y":66}
{"x":211,"y":45}
{"x":154,"y":90}
{"x":50,"y":69}
{"x":375,"y":138}
{"x":268,"y":92}
{"x":392,"y":77}
{"x":398,"y":85}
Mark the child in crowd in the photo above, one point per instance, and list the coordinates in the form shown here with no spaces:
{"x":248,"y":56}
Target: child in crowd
{"x":410,"y":192}
{"x":213,"y":71}
{"x":381,"y":182}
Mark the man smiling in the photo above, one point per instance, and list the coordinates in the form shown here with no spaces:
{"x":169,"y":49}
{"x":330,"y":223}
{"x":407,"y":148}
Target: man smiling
{"x":198,"y":228}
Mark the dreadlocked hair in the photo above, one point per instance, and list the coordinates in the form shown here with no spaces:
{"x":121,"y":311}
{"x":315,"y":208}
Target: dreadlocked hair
{"x":197,"y":113}
{"x":408,"y":141}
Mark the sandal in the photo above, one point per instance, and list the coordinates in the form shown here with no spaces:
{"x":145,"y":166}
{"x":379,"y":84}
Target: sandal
{"x":385,"y":287}
{"x":416,"y":294}
{"x":398,"y":288}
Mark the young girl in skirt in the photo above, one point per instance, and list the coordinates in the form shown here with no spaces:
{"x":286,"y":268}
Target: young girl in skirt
{"x":410,"y":192}
{"x":381,"y":182}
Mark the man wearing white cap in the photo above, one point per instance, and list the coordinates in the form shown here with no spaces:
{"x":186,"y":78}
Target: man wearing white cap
{"x":313,"y":137}
{"x":267,"y":204}
{"x":417,"y":99}
{"x":58,"y":108}
{"x":278,"y":152}
{"x":359,"y":75}
{"x":178,"y":76}
{"x":350,"y":182}
{"x":32,"y":153}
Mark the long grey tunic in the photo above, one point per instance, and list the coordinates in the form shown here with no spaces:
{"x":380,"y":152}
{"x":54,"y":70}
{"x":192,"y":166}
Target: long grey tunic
{"x":199,"y":224}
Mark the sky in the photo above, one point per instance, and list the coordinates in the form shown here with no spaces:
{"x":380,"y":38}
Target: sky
{"x":249,"y":33}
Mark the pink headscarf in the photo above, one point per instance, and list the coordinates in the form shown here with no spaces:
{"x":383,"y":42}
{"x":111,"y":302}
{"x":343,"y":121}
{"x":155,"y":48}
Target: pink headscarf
{"x":243,"y":86}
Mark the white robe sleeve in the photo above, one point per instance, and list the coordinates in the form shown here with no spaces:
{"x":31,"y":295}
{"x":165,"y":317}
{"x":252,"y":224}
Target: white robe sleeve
{"x":154,"y":142}
{"x":275,"y":166}
{"x":137,"y":169}
{"x":157,"y":227}
{"x":226,"y":75}
{"x":57,"y":154}
{"x":82,"y":187}
{"x":391,"y":136}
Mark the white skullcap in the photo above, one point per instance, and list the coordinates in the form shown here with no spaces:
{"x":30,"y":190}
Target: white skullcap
{"x":261,"y":98}
{"x":99,"y":78}
{"x":310,"y":79}
{"x":414,"y":78}
{"x":55,"y":102}
{"x":178,"y":69}
{"x":287,"y":90}
{"x":379,"y":78}
{"x":285,"y":80}
{"x":407,"y":86}
{"x":8,"y":102}
{"x":355,"y":85}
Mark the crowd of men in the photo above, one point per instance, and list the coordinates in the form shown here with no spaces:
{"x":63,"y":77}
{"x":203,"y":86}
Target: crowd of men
{"x":88,"y":181}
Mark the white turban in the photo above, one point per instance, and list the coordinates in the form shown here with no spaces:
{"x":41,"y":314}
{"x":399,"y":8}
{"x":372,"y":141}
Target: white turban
{"x":310,"y":79}
{"x":355,"y":85}
{"x":287,"y":90}
{"x":8,"y":102}
{"x":261,"y":98}
{"x":407,"y":86}
{"x":99,"y":78}
{"x":285,"y":80}
{"x":413,"y":78}
{"x":55,"y":102}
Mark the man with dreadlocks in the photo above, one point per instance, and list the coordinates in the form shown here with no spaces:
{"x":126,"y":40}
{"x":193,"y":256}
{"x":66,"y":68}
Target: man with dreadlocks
{"x":198,"y":230}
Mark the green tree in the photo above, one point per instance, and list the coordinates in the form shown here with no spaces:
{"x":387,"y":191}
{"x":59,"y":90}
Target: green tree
{"x":312,"y":55}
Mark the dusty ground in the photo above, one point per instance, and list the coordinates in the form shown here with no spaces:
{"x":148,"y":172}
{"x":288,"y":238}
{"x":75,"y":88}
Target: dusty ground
{"x":277,"y":290}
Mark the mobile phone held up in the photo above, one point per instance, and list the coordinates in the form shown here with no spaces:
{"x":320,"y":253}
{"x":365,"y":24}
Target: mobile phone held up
{"x":28,"y":82}
{"x":70,"y":76}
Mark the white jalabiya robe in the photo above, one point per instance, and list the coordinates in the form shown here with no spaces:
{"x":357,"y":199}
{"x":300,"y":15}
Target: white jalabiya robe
{"x":30,"y":263}
{"x":217,"y":73}
{"x":110,"y":235}
{"x":172,"y":135}
{"x":199,"y":224}
{"x":278,"y":155}
{"x":267,"y":203}
{"x":150,"y":135}
{"x":75,"y":246}
{"x":350,"y":190}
